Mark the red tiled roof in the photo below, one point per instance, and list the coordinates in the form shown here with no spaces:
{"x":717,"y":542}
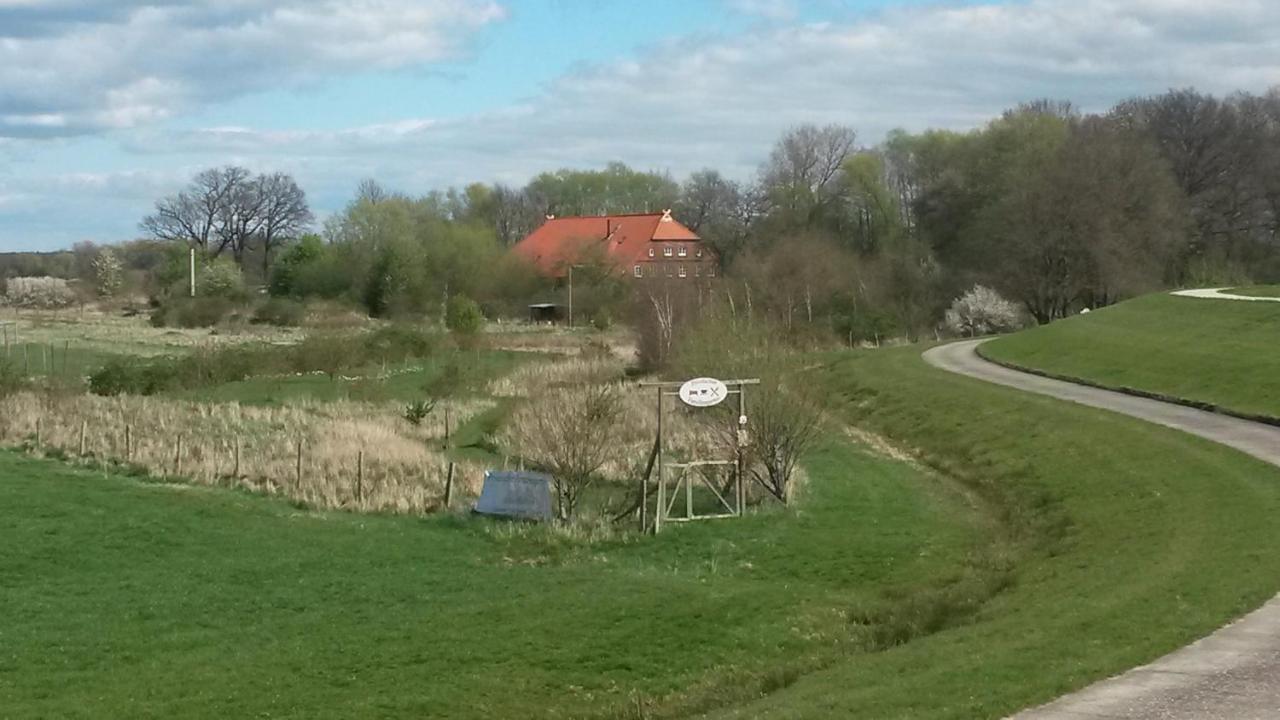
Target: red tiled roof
{"x":622,"y":239}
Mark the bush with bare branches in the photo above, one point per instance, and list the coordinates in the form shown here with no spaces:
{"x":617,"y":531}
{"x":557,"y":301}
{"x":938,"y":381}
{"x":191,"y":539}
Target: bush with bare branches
{"x":571,"y":435}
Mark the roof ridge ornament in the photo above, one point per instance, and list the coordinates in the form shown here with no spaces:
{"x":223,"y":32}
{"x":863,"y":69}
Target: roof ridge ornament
{"x":666,"y":216}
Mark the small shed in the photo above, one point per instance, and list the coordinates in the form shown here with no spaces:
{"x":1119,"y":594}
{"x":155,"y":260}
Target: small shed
{"x":523,"y":495}
{"x":544,"y":312}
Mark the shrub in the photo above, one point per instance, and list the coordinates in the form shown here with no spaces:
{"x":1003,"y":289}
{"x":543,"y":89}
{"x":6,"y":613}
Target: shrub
{"x":281,"y":312}
{"x":982,"y":311}
{"x":418,"y":410}
{"x":572,"y":436}
{"x":108,"y":274}
{"x":185,"y":312}
{"x":11,"y":378}
{"x":42,"y":293}
{"x":221,"y":279}
{"x":463,"y":316}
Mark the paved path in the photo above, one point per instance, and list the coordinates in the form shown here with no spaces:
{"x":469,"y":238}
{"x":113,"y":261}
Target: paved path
{"x":1232,"y":674}
{"x":1219,"y":294}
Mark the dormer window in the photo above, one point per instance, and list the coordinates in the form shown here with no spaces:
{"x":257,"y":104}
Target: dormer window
{"x":683,"y":251}
{"x":651,"y":252}
{"x":666,"y":251}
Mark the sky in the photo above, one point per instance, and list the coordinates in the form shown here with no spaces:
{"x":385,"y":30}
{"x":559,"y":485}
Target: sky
{"x":107,"y":105}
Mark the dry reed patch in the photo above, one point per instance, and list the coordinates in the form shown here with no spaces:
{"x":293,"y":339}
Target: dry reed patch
{"x":403,"y":468}
{"x":536,"y":378}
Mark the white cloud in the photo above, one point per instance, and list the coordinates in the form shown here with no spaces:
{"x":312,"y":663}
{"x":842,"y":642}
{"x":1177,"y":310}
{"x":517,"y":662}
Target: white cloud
{"x":102,"y":65}
{"x":688,"y":103}
{"x":691,"y":102}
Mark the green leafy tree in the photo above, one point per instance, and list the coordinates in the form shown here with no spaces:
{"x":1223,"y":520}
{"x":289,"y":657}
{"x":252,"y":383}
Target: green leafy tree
{"x":464,"y":317}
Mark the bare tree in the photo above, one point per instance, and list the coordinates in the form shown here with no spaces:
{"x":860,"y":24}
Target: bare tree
{"x":195,"y":215}
{"x":285,"y":213}
{"x":783,"y":425}
{"x":572,"y":436}
{"x":240,"y":215}
{"x":228,"y":209}
{"x":802,"y":170}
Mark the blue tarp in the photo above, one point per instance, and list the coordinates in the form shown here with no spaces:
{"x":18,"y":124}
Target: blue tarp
{"x":525,"y":495}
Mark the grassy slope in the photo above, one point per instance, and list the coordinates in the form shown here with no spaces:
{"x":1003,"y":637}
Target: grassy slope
{"x":1215,"y":351}
{"x":124,"y":599}
{"x":1142,"y":538}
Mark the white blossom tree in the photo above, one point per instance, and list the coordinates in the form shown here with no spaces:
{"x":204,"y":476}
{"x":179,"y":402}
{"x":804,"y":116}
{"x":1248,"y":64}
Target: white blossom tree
{"x":982,"y":311}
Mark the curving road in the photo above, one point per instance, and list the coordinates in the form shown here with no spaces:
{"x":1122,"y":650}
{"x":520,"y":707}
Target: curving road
{"x":1221,"y":294}
{"x":1232,"y":674}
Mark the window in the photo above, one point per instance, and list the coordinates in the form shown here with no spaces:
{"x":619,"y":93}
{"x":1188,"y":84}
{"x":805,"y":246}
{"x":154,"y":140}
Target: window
{"x":683,"y":251}
{"x":668,"y":269}
{"x":651,"y":253}
{"x":682,"y":274}
{"x":637,"y":271}
{"x":699,"y":252}
{"x":666,"y":251}
{"x":711,"y":271}
{"x":697,"y":271}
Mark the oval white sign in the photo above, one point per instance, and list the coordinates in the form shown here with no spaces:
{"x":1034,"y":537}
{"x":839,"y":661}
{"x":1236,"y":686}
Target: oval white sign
{"x":703,"y":392}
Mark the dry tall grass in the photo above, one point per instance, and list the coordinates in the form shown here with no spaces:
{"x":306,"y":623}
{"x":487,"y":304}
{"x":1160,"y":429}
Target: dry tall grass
{"x":403,"y":470}
{"x":535,"y":378}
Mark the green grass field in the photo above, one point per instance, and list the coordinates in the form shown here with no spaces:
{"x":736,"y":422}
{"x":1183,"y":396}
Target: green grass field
{"x":1072,"y":544}
{"x":1221,"y":352}
{"x":127,"y":599}
{"x":464,"y":371}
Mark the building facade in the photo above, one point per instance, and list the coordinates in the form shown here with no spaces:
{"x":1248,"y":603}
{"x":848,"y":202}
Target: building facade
{"x":647,"y":245}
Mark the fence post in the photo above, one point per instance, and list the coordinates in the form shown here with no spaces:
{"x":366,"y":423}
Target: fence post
{"x":448,"y":481}
{"x":177,"y":458}
{"x":298,"y":468}
{"x":66,"y":354}
{"x":235,"y":472}
{"x":128,"y":443}
{"x":84,"y":425}
{"x":360,"y":477}
{"x":37,"y":433}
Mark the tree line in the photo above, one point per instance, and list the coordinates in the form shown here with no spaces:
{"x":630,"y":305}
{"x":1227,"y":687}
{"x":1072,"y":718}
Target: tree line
{"x":1055,"y":209}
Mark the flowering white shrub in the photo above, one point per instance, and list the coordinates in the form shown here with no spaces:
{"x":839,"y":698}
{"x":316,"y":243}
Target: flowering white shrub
{"x":107,"y":273}
{"x":982,"y":311}
{"x":38,"y":292}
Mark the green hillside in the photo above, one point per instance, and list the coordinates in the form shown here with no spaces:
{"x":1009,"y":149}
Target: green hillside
{"x":1221,"y":352}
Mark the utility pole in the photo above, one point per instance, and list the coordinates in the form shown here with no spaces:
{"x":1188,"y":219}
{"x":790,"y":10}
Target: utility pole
{"x":193,"y":270}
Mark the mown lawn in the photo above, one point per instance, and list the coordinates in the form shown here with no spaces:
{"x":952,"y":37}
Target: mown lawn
{"x":1135,"y":540}
{"x":128,"y":599}
{"x":1222,"y":352}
